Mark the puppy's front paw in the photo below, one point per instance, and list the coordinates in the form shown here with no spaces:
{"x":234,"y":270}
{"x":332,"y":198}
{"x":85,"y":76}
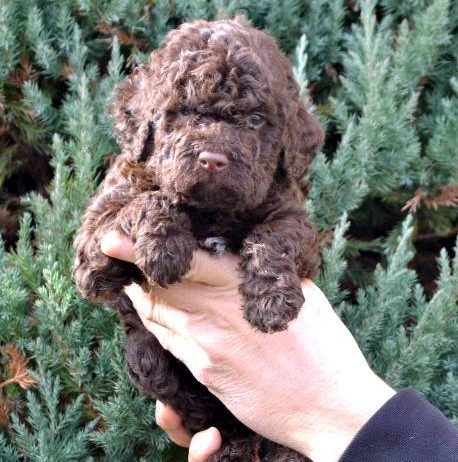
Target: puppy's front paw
{"x":105,"y":278}
{"x":271,"y":303}
{"x":164,"y":260}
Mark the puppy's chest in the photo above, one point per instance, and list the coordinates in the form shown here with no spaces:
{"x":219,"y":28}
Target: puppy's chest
{"x":231,"y":227}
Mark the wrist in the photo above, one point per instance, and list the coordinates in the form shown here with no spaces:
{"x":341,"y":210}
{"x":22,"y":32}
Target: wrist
{"x":326,"y":435}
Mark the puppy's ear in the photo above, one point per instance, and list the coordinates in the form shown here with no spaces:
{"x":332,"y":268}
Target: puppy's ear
{"x":302,"y":139}
{"x":134,"y":128}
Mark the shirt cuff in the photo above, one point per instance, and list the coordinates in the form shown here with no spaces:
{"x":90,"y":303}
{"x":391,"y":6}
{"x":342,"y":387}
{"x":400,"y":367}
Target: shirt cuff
{"x":405,"y":429}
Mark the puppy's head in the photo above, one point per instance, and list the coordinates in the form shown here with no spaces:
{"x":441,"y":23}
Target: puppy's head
{"x":217,"y":116}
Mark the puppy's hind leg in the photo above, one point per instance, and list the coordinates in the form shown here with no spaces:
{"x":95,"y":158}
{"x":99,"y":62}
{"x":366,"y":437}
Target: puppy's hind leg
{"x":242,"y":449}
{"x":273,"y":452}
{"x":158,"y":374}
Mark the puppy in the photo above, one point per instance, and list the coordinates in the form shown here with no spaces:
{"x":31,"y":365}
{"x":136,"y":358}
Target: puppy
{"x":215,"y":141}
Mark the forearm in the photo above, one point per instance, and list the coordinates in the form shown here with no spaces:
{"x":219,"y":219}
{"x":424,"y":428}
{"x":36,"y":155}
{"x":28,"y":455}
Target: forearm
{"x":330,"y":427}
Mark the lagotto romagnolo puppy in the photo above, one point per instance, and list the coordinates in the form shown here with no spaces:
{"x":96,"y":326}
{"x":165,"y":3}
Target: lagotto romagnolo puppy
{"x":215,"y":141}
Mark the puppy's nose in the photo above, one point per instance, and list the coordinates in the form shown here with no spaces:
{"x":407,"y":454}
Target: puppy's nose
{"x":213,"y":161}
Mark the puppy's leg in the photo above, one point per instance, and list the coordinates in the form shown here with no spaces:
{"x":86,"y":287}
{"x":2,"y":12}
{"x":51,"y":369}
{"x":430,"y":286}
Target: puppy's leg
{"x":162,"y":237}
{"x":97,"y":275}
{"x":275,"y":255}
{"x":273,"y":452}
{"x":158,"y":374}
{"x":238,"y":450}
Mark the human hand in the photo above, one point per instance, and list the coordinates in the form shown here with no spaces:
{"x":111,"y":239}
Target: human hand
{"x":308,"y":387}
{"x":202,"y":445}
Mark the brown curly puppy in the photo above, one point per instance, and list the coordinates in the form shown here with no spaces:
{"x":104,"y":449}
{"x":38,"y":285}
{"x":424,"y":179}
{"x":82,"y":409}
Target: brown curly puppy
{"x":215,"y":141}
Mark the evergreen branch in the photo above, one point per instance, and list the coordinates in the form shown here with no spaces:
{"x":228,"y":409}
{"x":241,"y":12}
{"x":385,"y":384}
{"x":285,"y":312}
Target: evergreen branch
{"x":9,"y":44}
{"x":51,"y":434}
{"x":433,"y":236}
{"x":5,"y":408}
{"x":383,"y":306}
{"x":18,"y":369}
{"x":41,"y":105}
{"x":122,"y":37}
{"x":41,"y":42}
{"x":7,"y":452}
{"x":299,"y":69}
{"x":334,"y":264}
{"x":345,"y":174}
{"x":23,"y":72}
{"x":417,"y":49}
{"x":160,"y":17}
{"x":441,"y":153}
{"x":448,"y":197}
{"x":422,"y":356}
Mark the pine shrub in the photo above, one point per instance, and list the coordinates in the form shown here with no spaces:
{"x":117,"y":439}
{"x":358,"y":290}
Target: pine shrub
{"x":382,"y":79}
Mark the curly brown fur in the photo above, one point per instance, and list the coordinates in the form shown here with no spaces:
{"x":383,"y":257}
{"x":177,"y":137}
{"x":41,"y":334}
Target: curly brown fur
{"x":214,"y":87}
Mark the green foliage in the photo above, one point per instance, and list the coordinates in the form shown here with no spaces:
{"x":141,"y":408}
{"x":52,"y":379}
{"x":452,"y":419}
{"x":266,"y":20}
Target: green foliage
{"x":382,"y":79}
{"x":9,"y":47}
{"x":51,"y":433}
{"x":13,"y":302}
{"x":440,"y":166}
{"x":7,"y":452}
{"x":334,"y":264}
{"x":408,"y":339}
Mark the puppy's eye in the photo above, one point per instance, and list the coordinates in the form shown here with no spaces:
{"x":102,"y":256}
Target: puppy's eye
{"x":255,"y":120}
{"x":186,"y":111}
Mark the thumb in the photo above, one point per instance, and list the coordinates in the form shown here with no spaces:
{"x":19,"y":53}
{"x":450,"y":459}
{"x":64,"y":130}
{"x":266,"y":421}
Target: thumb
{"x":117,"y":245}
{"x":204,"y":444}
{"x":214,"y":270}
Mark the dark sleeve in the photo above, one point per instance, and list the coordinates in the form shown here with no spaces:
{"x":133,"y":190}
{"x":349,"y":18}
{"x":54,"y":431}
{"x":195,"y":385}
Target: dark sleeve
{"x":406,"y":429}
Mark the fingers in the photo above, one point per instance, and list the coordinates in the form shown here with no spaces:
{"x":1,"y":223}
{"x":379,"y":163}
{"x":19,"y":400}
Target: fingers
{"x":152,"y":310}
{"x":148,"y":310}
{"x":168,"y":325}
{"x":207,"y":269}
{"x":201,"y":446}
{"x":214,"y":270}
{"x":171,"y":423}
{"x":204,"y":444}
